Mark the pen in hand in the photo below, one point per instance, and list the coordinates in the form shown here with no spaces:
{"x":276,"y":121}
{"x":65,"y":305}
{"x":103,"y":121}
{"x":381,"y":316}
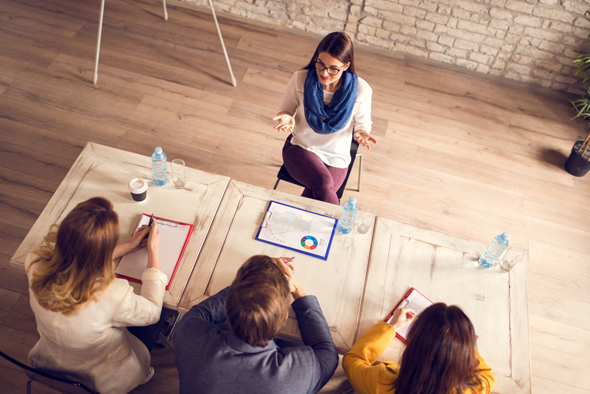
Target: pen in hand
{"x":149,"y":225}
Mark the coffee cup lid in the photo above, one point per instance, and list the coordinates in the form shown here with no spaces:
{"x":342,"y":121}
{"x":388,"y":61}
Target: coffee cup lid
{"x":138,"y":185}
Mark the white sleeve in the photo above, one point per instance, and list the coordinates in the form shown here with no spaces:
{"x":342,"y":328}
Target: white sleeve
{"x":362,"y":117}
{"x":290,"y":102}
{"x":143,"y":309}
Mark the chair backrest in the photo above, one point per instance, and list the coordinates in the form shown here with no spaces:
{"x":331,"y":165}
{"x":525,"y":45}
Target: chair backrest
{"x":62,"y":385}
{"x":354,"y":147}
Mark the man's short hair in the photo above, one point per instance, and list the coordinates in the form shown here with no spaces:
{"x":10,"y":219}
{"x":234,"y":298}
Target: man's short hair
{"x":258,"y":301}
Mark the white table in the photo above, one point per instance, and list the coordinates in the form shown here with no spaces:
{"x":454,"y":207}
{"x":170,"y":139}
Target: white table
{"x":444,"y":268}
{"x":337,"y":283}
{"x":105,"y":172}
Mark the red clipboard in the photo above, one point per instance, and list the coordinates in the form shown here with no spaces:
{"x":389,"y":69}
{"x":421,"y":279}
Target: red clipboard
{"x":401,"y":334}
{"x":175,"y":237}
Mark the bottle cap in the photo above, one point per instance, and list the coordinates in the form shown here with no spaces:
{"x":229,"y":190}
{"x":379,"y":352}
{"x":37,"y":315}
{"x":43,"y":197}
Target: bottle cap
{"x":352,"y":200}
{"x":158,"y":150}
{"x":505,"y":235}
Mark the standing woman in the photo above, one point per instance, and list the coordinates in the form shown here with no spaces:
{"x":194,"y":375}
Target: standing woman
{"x":324,"y":104}
{"x":440,"y":356}
{"x":82,"y":310}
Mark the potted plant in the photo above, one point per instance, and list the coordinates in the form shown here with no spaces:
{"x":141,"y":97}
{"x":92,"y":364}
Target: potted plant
{"x":578,"y":163}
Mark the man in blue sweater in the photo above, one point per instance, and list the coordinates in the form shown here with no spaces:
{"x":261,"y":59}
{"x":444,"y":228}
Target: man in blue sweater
{"x":244,"y":358}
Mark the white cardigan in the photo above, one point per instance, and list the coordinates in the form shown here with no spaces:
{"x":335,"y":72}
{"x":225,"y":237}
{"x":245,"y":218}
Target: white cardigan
{"x":333,"y":149}
{"x":93,"y":346}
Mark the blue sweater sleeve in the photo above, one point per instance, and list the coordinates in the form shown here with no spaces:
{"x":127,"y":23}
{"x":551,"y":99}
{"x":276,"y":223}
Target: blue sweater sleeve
{"x":211,"y":310}
{"x":316,"y":334}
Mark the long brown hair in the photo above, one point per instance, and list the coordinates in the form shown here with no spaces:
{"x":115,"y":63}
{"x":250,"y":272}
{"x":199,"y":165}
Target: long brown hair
{"x":440,"y":353}
{"x":76,"y":261}
{"x":258,"y":301}
{"x":339,"y":45}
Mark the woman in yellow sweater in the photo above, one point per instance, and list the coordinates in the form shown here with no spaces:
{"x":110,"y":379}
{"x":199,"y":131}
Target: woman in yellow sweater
{"x":439,"y":358}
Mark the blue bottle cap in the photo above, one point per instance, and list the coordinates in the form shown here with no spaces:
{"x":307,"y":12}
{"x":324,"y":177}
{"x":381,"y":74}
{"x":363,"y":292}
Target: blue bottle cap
{"x":505,"y":235}
{"x":158,"y":150}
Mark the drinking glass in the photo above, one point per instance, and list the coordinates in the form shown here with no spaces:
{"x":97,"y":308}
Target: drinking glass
{"x":365,"y":218}
{"x":513,"y":255}
{"x":178,"y":178}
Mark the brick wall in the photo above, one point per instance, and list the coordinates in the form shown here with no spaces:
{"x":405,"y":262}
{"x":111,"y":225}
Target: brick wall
{"x":532,"y":41}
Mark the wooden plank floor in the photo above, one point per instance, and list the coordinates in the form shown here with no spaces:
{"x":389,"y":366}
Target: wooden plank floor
{"x":456,"y":153}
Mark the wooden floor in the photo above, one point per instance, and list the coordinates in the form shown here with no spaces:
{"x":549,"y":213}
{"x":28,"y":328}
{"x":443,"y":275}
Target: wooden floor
{"x":456,"y":153}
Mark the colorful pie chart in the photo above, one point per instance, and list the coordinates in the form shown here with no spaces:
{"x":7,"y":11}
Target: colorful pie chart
{"x":309,"y":242}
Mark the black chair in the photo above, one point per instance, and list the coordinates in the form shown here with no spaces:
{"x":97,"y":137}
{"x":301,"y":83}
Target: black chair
{"x":62,"y":385}
{"x":284,"y":175}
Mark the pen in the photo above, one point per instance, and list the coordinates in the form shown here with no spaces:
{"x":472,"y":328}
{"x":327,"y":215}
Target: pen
{"x":149,"y":225}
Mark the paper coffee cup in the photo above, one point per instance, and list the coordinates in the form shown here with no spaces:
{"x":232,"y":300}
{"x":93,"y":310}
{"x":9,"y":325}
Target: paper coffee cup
{"x":138,"y":188}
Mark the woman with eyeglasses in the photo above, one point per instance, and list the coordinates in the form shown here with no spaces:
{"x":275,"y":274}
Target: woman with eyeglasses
{"x":440,"y":356}
{"x":324,"y":104}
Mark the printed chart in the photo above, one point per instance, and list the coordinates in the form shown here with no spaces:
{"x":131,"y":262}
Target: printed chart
{"x":297,"y":229}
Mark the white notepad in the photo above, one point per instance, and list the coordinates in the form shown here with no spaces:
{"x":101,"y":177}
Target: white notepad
{"x":413,"y":300}
{"x":175,"y":236}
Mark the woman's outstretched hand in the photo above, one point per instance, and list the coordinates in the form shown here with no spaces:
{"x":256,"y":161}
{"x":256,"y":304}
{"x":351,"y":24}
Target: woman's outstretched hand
{"x":286,"y":122}
{"x":363,"y":138}
{"x":402,"y":317}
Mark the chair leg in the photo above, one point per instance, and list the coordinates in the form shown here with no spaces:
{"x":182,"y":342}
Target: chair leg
{"x":276,"y":184}
{"x":231,"y":74}
{"x":360,"y":156}
{"x":95,"y":77}
{"x":163,"y":338}
{"x":29,"y":386}
{"x":165,"y":11}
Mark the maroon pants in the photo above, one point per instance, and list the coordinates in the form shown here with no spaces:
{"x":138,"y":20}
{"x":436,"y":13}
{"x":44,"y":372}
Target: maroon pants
{"x":321,"y":181}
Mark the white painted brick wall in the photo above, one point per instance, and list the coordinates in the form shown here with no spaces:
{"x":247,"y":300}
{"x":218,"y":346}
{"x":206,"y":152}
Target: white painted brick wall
{"x":532,"y":41}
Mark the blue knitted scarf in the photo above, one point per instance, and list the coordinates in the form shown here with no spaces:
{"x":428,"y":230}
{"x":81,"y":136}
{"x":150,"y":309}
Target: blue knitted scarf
{"x":328,"y":119}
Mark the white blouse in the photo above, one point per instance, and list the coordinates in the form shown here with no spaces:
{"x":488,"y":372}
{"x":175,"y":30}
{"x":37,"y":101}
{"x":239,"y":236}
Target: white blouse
{"x":333,"y":149}
{"x":93,"y":346}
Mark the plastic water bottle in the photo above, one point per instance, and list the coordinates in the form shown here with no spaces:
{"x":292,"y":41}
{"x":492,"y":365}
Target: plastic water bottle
{"x":347,"y":216}
{"x":159,"y":167}
{"x":494,"y":250}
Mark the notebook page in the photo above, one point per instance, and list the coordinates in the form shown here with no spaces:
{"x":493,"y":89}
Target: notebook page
{"x":416,"y":302}
{"x":171,"y":243}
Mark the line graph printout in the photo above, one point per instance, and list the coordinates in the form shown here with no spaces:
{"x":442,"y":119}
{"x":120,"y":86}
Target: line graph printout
{"x":297,"y":229}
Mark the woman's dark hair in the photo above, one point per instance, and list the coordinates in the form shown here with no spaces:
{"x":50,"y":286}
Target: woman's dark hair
{"x":440,"y":354}
{"x":339,"y":45}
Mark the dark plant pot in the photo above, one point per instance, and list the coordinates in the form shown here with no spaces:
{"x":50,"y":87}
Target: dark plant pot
{"x":575,"y":163}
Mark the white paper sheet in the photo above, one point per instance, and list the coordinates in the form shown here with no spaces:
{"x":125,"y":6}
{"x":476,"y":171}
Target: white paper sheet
{"x":174,"y":236}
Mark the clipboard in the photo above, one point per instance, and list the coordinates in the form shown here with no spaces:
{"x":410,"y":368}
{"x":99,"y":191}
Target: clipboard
{"x":414,"y":300}
{"x":297,"y":229}
{"x":175,"y":237}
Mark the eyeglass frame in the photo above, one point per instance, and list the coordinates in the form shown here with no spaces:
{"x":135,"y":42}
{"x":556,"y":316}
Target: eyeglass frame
{"x":319,"y":62}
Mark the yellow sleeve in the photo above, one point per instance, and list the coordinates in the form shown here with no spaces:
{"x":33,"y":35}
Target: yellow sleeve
{"x":488,"y":380}
{"x":358,"y":362}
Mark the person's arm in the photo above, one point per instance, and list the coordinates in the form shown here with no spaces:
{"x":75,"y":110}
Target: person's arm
{"x":287,"y":107}
{"x":211,"y":310}
{"x":313,"y":326}
{"x":145,"y":308}
{"x":362,"y":118}
{"x":488,"y":380}
{"x":358,"y":362}
{"x":138,"y":240}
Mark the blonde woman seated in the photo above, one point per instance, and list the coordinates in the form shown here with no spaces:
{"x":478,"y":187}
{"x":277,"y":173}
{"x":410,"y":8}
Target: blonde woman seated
{"x":82,"y":310}
{"x":440,"y":356}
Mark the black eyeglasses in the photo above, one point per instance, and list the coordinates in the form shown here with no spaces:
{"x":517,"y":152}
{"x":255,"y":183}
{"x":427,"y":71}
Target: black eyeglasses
{"x":331,"y":70}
